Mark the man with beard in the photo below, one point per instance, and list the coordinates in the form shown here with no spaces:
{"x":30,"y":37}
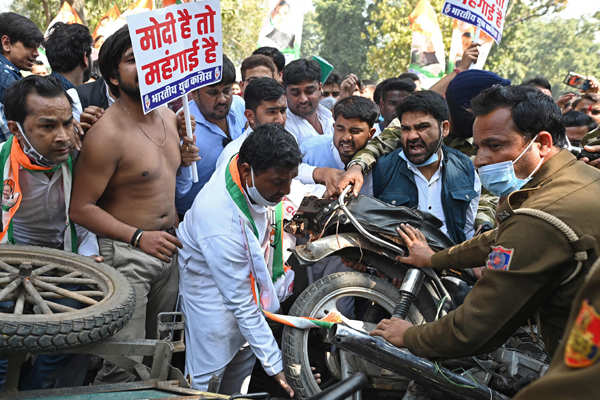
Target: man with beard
{"x":305,"y":116}
{"x":124,"y":192}
{"x":424,"y":173}
{"x":218,"y":122}
{"x":69,"y":49}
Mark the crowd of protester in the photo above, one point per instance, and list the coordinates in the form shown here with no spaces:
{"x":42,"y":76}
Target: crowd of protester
{"x":82,"y":150}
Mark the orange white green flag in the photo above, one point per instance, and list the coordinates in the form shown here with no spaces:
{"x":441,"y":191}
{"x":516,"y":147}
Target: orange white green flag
{"x":107,"y":25}
{"x":66,"y":14}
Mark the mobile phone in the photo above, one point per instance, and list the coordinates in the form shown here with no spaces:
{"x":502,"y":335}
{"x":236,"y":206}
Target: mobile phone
{"x":577,"y":81}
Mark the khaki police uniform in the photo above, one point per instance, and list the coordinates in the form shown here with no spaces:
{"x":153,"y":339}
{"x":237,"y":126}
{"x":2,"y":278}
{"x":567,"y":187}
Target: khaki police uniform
{"x":526,"y":259}
{"x":575,"y":370}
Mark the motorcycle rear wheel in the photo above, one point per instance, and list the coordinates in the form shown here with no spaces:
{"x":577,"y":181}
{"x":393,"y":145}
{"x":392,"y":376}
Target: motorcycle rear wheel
{"x":305,"y":348}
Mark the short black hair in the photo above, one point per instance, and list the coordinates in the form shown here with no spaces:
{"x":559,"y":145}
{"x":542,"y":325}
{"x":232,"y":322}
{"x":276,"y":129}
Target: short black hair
{"x":228,"y":75}
{"x":538,"y":81}
{"x":333,"y":79}
{"x":426,"y":101}
{"x":301,"y":70}
{"x":531,"y":110}
{"x":257,"y":60}
{"x":20,"y":29}
{"x":356,"y":107}
{"x":405,"y":85}
{"x":270,"y":146}
{"x":377,"y":91}
{"x":409,"y":75}
{"x":66,"y":46}
{"x":577,"y":118}
{"x":277,"y":56}
{"x":262,"y":89}
{"x":15,"y":99}
{"x":110,"y":55}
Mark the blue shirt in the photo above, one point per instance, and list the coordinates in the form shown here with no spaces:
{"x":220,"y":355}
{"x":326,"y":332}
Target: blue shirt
{"x":9,"y":74}
{"x":66,"y":84}
{"x":319,"y":151}
{"x":209,"y":139}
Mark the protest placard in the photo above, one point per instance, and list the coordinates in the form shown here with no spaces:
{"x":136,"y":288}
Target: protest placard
{"x":177,"y":49}
{"x":487,"y":15}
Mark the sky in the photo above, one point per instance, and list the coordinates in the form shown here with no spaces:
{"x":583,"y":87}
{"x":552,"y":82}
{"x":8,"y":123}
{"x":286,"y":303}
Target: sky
{"x":578,"y":8}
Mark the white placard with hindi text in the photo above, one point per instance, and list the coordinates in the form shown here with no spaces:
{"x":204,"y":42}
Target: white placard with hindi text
{"x":177,"y":49}
{"x":488,"y":15}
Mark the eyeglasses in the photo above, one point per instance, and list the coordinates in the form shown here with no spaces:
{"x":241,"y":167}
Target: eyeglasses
{"x":334,"y":94}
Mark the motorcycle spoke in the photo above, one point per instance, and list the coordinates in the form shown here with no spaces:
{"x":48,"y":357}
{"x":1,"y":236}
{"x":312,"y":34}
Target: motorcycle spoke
{"x":60,"y":307}
{"x":64,"y":292}
{"x":7,"y":278}
{"x":10,"y":288}
{"x":37,"y":299}
{"x":44,"y":269}
{"x":8,"y":268}
{"x":20,"y":303}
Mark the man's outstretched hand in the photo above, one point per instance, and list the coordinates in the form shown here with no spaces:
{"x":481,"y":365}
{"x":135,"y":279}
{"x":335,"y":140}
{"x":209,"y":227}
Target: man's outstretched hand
{"x":353,"y":176}
{"x":419,"y":252}
{"x":392,"y":330}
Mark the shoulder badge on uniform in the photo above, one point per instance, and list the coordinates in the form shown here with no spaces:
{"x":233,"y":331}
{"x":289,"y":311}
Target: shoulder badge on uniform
{"x":500,"y":258}
{"x":582,"y":347}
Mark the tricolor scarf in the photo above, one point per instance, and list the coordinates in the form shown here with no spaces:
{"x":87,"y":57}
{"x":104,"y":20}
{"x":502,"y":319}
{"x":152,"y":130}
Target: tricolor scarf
{"x":261,"y":285}
{"x":13,"y":159}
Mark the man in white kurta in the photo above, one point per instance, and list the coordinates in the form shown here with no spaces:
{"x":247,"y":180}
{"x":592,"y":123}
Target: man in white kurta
{"x":225,"y":237}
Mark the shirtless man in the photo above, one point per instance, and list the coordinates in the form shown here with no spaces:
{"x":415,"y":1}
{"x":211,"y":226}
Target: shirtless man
{"x":124,"y":191}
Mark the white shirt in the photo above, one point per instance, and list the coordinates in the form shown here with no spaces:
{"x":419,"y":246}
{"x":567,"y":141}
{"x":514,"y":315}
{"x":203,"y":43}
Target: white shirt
{"x":219,"y":248}
{"x":41,"y":217}
{"x":430,"y":197}
{"x":302,"y":129}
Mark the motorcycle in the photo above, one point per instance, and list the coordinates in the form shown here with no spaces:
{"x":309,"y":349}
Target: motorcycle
{"x":363,"y":230}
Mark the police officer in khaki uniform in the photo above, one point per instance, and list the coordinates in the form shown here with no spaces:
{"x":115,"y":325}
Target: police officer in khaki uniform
{"x":575,"y":368}
{"x":518,"y":134}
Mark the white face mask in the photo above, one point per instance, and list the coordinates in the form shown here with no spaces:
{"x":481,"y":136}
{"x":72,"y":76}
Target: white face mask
{"x":255,"y":195}
{"x":32,"y":152}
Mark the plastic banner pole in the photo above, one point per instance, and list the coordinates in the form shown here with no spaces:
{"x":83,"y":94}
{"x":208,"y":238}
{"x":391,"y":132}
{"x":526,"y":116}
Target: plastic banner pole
{"x":189,"y":133}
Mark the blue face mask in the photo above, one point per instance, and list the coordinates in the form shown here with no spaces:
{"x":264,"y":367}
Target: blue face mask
{"x":432,"y":159}
{"x":500,"y":180}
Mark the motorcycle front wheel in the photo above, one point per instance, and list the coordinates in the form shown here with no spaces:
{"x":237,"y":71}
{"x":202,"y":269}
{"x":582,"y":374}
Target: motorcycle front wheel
{"x":359,"y":297}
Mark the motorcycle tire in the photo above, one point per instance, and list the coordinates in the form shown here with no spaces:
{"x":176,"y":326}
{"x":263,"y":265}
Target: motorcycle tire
{"x":295,"y":342}
{"x":26,"y":327}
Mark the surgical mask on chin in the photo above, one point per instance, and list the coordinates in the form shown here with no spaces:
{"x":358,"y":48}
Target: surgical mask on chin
{"x":431,"y":160}
{"x":32,"y":152}
{"x":499,"y":179}
{"x":255,"y":195}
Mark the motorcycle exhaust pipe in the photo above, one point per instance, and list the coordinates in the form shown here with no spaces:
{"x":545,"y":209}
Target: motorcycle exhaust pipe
{"x":381,"y":353}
